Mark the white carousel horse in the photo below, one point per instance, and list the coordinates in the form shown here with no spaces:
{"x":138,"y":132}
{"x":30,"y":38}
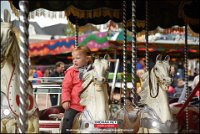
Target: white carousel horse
{"x":10,"y":82}
{"x":155,"y":116}
{"x":94,"y":97}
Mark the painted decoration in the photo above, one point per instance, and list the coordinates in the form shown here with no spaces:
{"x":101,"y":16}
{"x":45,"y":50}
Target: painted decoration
{"x":95,"y":41}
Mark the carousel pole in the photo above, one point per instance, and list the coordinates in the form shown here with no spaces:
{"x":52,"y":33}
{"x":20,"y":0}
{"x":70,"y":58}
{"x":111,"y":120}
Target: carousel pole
{"x":134,"y":55}
{"x":146,"y":35}
{"x":124,"y":53}
{"x":76,"y":33}
{"x":186,"y":75}
{"x":24,"y":65}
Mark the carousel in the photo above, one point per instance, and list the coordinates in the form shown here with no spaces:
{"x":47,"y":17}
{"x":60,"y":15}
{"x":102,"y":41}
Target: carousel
{"x":147,"y":110}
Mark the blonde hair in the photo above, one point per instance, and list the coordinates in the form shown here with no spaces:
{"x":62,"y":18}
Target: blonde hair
{"x":85,"y":50}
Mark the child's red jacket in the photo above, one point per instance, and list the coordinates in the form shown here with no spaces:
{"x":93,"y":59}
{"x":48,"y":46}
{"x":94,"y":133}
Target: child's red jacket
{"x":71,"y":89}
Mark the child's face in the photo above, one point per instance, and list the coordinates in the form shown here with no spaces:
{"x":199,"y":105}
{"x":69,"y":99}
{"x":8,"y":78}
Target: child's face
{"x":79,"y":59}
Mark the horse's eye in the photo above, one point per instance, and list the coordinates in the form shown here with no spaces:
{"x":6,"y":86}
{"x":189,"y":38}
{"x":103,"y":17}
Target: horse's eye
{"x":156,"y":68}
{"x":11,"y":33}
{"x":169,"y":69}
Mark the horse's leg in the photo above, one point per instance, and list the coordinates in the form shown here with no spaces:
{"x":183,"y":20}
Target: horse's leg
{"x":33,"y":123}
{"x":3,"y":125}
{"x":30,"y":126}
{"x":11,"y":126}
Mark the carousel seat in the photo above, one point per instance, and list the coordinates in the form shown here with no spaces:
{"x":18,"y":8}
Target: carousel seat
{"x":51,"y":113}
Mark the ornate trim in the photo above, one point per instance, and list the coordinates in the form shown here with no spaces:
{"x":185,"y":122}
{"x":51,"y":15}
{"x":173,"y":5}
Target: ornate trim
{"x":99,"y":12}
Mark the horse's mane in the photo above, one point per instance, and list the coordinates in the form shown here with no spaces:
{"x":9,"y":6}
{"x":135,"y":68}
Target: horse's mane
{"x":147,"y":78}
{"x":17,"y":33}
{"x":144,"y":88}
{"x":11,"y":51}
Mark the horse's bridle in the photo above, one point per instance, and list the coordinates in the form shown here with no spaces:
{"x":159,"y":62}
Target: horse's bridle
{"x":87,"y":86}
{"x":92,"y":80}
{"x":150,"y":85}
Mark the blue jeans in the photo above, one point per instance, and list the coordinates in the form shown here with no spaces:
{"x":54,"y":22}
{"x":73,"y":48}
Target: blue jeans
{"x":54,"y":99}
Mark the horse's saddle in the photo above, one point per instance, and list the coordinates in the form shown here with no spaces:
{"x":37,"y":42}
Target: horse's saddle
{"x":132,"y":111}
{"x":127,"y":114}
{"x":170,"y":126}
{"x":86,"y":123}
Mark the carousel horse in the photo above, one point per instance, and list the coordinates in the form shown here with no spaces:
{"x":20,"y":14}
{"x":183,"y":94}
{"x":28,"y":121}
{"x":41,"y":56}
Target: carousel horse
{"x":10,"y":83}
{"x":94,"y":97}
{"x":154,"y":116}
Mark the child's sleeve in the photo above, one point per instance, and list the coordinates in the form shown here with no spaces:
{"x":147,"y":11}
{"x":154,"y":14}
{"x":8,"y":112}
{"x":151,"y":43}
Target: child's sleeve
{"x":67,"y":87}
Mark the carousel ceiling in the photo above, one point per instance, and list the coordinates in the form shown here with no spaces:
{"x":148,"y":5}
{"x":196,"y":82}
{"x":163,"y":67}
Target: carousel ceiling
{"x":165,"y":13}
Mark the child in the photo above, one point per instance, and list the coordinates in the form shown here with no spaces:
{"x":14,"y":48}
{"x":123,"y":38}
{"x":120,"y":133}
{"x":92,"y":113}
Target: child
{"x":72,"y":85}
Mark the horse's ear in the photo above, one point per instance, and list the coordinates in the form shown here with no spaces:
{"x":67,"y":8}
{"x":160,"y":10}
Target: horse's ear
{"x":167,"y":58}
{"x":7,"y":16}
{"x":107,"y":56}
{"x":159,"y":57}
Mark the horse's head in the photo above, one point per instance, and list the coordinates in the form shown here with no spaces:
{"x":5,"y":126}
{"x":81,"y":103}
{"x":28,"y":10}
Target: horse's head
{"x":162,"y":71}
{"x":8,"y":36}
{"x":100,"y":71}
{"x":94,"y":95}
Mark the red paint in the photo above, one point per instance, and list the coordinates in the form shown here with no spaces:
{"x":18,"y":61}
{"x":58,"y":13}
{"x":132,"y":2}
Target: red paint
{"x":30,"y":100}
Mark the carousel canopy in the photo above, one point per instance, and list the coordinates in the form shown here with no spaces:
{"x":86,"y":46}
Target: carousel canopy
{"x":159,"y":40}
{"x":95,"y":41}
{"x":173,"y":35}
{"x":162,"y":40}
{"x":165,"y":13}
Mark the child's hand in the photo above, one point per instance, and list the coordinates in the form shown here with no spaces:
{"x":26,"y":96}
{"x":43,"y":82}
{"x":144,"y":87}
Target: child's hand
{"x":66,"y":105}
